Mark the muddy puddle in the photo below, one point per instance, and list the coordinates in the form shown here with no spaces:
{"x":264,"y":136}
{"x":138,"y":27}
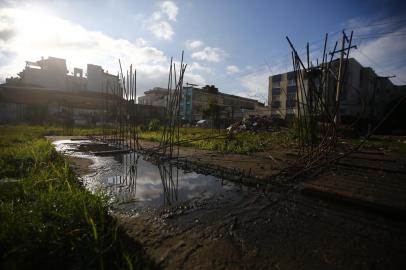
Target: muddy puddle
{"x":132,"y":182}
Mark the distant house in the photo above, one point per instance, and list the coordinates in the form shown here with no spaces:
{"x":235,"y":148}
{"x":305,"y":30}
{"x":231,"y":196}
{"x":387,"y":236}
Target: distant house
{"x":155,"y":97}
{"x":196,"y":102}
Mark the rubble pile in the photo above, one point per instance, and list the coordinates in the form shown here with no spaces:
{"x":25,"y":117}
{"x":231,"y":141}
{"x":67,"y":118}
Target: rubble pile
{"x":257,"y":123}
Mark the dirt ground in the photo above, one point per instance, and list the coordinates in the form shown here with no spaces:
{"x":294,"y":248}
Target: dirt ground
{"x":270,"y":231}
{"x":265,"y":227}
{"x":260,"y":165}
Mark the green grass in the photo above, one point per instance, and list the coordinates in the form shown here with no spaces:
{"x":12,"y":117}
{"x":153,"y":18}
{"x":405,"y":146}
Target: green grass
{"x":21,"y":133}
{"x":47,"y":220}
{"x":242,"y":143}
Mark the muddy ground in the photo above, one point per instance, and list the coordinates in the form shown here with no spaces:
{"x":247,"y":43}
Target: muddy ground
{"x":266,"y":227}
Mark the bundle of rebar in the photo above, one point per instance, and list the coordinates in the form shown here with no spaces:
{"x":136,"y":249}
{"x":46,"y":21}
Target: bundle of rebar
{"x":171,"y":134}
{"x":120,"y":113}
{"x":129,"y":110}
{"x":318,"y":96}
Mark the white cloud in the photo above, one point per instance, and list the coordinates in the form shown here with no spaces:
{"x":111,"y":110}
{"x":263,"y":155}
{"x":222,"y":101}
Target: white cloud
{"x":198,"y":67}
{"x":193,"y":44}
{"x":158,"y":24}
{"x":141,"y":42}
{"x":380,"y":45}
{"x":194,"y":78}
{"x":20,"y":40}
{"x":170,"y":9}
{"x":256,"y":84}
{"x":385,"y":54}
{"x":210,"y":54}
{"x":232,"y":69}
{"x":161,"y":29}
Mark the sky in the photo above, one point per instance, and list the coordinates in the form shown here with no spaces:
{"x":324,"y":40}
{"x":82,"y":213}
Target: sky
{"x":233,"y":44}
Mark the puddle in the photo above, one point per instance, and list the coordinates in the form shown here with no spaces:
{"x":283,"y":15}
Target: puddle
{"x":131,"y":181}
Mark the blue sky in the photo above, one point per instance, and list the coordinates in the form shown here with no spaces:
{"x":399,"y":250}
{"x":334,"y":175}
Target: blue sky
{"x":235,"y":45}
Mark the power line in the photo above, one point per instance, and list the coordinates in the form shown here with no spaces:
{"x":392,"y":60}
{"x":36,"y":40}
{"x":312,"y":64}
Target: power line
{"x":376,"y":65}
{"x":379,"y":36}
{"x":382,"y":33}
{"x":377,"y":24}
{"x":318,"y":48}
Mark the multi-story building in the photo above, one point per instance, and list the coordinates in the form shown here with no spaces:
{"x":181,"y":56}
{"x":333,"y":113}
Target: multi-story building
{"x":196,"y":102}
{"x":52,"y":73}
{"x":98,"y":80}
{"x":156,"y":97}
{"x":364,"y":93}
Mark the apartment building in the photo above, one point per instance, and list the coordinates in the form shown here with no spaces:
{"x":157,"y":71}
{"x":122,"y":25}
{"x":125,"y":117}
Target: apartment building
{"x":364,"y":93}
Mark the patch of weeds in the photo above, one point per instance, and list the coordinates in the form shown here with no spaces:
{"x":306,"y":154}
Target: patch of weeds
{"x":241,"y":143}
{"x":47,"y":220}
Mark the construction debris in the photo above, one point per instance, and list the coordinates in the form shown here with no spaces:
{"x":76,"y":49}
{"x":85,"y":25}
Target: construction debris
{"x":256,"y":123}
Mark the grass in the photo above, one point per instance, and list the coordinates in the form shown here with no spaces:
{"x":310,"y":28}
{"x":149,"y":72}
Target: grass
{"x":12,"y":134}
{"x":242,"y":143}
{"x":47,"y":219}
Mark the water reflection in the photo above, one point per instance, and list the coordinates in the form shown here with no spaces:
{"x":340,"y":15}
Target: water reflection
{"x":124,"y":186}
{"x":170,"y":187}
{"x":130,"y":179}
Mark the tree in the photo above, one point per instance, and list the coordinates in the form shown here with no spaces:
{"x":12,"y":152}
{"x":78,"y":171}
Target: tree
{"x":213,"y":111}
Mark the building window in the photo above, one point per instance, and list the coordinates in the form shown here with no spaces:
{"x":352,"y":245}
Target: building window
{"x":291,"y":96}
{"x":276,"y":78}
{"x":292,"y":82}
{"x":292,"y":89}
{"x":290,"y":103}
{"x":276,"y":104}
{"x":276,"y":91}
{"x":276,"y":84}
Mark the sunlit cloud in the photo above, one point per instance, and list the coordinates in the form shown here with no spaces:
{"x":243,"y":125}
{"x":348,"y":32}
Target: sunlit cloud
{"x":385,"y":54}
{"x":158,"y":24}
{"x":232,"y":69}
{"x":170,"y":9}
{"x":29,"y":34}
{"x":161,"y":29}
{"x":195,"y":66}
{"x":210,"y":54}
{"x":193,"y":44}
